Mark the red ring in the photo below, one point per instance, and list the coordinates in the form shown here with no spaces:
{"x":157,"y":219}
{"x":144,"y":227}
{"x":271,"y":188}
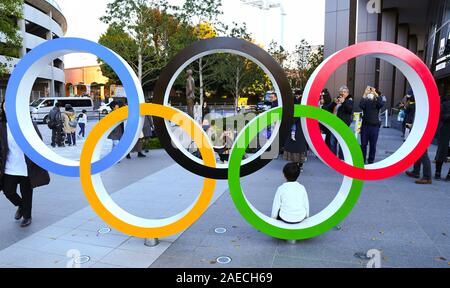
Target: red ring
{"x":361,"y":49}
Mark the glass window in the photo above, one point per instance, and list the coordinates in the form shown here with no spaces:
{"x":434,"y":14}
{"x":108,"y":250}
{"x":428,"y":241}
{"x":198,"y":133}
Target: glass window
{"x":48,"y":103}
{"x":36,"y":103}
{"x":77,"y":103}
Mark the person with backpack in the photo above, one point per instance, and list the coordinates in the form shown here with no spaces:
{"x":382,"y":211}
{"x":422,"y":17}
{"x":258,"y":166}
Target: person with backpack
{"x":55,"y":123}
{"x":70,"y":125}
{"x":82,"y":121}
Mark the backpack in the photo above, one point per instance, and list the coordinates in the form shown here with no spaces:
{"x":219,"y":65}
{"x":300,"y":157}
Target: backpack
{"x":51,"y":122}
{"x":73,"y":123}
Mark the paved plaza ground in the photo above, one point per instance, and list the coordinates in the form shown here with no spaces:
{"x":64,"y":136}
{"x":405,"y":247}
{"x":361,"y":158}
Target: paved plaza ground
{"x":408,"y":224}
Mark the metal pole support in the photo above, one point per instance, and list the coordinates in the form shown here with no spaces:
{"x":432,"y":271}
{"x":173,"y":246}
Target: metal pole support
{"x":292,"y":242}
{"x":387,"y":124}
{"x":151,"y":242}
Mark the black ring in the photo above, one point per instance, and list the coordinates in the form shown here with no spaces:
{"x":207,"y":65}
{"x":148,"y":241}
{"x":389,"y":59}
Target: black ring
{"x":224,"y":43}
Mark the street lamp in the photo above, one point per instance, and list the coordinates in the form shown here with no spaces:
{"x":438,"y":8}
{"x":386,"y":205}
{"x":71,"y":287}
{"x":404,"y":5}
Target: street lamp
{"x":267,"y":5}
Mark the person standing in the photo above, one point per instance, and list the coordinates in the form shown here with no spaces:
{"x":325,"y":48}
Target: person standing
{"x":295,"y":147}
{"x":198,"y":113}
{"x":444,"y":139}
{"x":148,"y":130}
{"x":371,"y":105}
{"x":404,"y":106}
{"x":117,"y":133}
{"x":17,"y":170}
{"x":205,"y":110}
{"x":425,"y":159}
{"x":55,"y":123}
{"x":138,"y":148}
{"x":70,"y":125}
{"x":190,"y":93}
{"x":273,"y":104}
{"x":325,"y":101}
{"x":82,"y":121}
{"x":342,"y":106}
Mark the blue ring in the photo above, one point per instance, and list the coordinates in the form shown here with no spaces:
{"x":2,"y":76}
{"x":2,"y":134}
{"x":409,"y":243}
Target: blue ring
{"x":76,"y":45}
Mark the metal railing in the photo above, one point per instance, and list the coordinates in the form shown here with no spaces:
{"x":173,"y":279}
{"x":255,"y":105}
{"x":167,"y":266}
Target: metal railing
{"x":54,"y":4}
{"x":384,"y":117}
{"x":92,"y":115}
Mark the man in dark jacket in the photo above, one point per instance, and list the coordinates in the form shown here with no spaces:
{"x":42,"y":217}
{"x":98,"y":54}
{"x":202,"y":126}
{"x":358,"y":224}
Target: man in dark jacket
{"x":371,"y":105}
{"x":425,"y":159}
{"x":343,"y":108}
{"x":444,"y":138}
{"x":56,"y":124}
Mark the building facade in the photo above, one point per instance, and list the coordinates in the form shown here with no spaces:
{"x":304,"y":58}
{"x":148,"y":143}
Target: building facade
{"x":421,"y":26}
{"x":43,"y":20}
{"x":87,"y":81}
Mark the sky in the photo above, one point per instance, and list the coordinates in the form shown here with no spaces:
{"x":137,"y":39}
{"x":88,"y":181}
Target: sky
{"x":304,"y":19}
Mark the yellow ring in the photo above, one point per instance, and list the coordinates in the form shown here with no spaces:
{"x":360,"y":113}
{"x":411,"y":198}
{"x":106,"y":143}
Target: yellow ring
{"x":132,"y":229}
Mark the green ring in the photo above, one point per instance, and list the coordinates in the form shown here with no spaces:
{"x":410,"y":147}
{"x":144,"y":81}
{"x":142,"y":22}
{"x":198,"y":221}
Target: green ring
{"x":238,"y":153}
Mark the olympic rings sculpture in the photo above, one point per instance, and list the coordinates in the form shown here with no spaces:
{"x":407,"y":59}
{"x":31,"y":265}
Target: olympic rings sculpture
{"x":353,"y":169}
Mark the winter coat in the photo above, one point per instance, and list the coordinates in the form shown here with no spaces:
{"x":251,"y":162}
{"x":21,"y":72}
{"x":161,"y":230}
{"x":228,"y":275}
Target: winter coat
{"x":299,"y":145}
{"x":117,"y":133}
{"x":371,"y":110}
{"x":148,"y":127}
{"x":67,"y":117}
{"x":345,"y":110}
{"x":55,"y":115}
{"x":410,"y":113}
{"x":444,"y":132}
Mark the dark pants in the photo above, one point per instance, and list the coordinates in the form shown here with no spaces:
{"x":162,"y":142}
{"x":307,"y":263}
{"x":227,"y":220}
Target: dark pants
{"x":404,"y":127}
{"x":10,"y":184}
{"x":82,"y":130}
{"x":71,"y":139}
{"x":327,"y":137}
{"x":57,"y":138}
{"x":280,"y":219}
{"x":444,"y":143}
{"x":426,"y":163}
{"x":369,"y":135}
{"x":335,"y":148}
{"x":333,"y":144}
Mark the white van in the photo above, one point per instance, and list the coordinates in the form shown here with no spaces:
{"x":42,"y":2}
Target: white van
{"x":40,"y":108}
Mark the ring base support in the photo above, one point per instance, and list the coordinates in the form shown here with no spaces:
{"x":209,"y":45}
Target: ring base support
{"x":151,"y":242}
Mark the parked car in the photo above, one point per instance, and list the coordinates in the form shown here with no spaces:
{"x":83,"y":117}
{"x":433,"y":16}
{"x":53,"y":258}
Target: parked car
{"x":41,"y":107}
{"x":105,"y":108}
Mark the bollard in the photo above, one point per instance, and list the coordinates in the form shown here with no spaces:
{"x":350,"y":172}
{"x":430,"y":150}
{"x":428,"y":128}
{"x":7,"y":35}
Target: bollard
{"x":151,"y":242}
{"x":292,"y":242}
{"x":386,"y":123}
